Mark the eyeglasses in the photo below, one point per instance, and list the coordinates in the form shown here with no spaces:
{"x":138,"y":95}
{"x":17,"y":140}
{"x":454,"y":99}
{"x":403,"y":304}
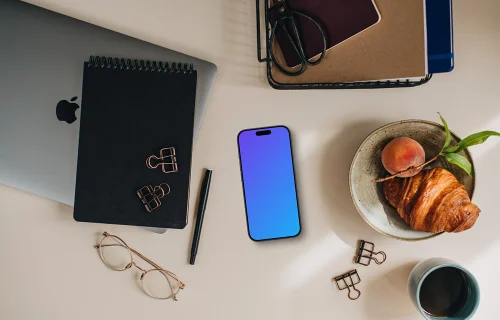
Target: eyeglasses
{"x":157,"y":282}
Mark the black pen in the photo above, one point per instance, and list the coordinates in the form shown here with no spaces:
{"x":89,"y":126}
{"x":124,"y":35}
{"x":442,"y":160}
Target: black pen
{"x":202,"y":204}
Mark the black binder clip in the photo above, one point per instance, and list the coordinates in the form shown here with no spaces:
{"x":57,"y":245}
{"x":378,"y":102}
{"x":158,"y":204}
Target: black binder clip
{"x":150,"y":196}
{"x":347,"y":281}
{"x":366,"y":254}
{"x":167,"y":160}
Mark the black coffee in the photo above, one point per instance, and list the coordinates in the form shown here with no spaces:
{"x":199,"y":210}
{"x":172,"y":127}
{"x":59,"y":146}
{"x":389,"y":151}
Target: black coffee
{"x":443,"y":292}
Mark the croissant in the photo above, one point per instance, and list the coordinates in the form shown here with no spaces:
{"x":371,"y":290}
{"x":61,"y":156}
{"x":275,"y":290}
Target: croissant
{"x":432,"y":201}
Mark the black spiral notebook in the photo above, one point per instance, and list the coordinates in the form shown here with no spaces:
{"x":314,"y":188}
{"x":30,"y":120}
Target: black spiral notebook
{"x":130,"y":111}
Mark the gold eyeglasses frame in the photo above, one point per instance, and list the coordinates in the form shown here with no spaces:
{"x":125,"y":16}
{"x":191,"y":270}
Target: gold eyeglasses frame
{"x":132,"y":263}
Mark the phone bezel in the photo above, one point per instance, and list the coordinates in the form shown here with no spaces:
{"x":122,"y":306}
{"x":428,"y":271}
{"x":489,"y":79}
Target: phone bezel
{"x":294,"y":176}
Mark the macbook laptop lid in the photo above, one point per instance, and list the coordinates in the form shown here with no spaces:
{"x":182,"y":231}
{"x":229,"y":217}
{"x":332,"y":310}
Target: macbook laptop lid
{"x":43,"y":55}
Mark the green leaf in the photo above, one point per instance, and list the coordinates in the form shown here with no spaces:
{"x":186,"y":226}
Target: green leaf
{"x":460,"y":161}
{"x":472,"y":140}
{"x":448,"y":134}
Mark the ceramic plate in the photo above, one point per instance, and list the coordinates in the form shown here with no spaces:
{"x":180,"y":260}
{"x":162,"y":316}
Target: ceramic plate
{"x":368,"y":196}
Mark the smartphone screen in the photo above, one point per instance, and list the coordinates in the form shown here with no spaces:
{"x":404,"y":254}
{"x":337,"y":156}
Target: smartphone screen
{"x":269,"y":183}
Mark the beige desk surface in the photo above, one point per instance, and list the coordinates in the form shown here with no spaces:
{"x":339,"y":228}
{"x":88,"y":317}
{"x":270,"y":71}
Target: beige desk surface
{"x":49,"y":269}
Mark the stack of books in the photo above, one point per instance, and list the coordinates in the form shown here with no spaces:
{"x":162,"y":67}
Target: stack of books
{"x":369,"y":40}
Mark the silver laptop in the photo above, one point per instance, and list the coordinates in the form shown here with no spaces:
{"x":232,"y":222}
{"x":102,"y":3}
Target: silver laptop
{"x":42,"y":55}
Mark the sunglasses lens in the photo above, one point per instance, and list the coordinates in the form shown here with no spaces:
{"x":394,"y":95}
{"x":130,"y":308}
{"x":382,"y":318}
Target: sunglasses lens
{"x":159,"y":284}
{"x":115,"y":253}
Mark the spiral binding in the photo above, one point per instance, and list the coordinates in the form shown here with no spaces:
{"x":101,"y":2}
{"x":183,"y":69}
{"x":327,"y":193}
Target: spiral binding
{"x":139,"y":65}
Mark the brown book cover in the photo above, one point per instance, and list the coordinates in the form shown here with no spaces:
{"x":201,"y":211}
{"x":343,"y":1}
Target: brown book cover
{"x":339,"y":19}
{"x":393,"y":48}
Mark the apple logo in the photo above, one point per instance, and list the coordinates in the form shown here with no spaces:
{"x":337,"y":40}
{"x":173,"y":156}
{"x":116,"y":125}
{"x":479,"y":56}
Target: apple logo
{"x":65,"y":110}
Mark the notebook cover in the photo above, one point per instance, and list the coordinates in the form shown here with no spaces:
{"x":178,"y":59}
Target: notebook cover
{"x":339,"y":19}
{"x":441,"y":57}
{"x":393,"y":48}
{"x":127,"y":116}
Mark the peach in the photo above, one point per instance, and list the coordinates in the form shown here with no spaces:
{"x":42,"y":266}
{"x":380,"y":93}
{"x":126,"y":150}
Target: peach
{"x":401,"y":154}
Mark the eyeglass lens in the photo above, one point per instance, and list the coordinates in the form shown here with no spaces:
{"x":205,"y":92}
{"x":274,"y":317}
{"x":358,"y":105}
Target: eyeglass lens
{"x":159,"y":284}
{"x":115,"y":253}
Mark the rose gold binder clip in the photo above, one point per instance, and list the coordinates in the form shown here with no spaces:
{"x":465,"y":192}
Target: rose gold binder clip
{"x":167,"y":160}
{"x":347,"y":281}
{"x":366,"y":253}
{"x":150,"y":196}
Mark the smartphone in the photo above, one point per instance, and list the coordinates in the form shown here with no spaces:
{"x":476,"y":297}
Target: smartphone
{"x":441,"y":57}
{"x":268,"y":178}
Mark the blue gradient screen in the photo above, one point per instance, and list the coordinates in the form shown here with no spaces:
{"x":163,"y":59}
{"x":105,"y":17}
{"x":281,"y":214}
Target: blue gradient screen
{"x":269,"y":183}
